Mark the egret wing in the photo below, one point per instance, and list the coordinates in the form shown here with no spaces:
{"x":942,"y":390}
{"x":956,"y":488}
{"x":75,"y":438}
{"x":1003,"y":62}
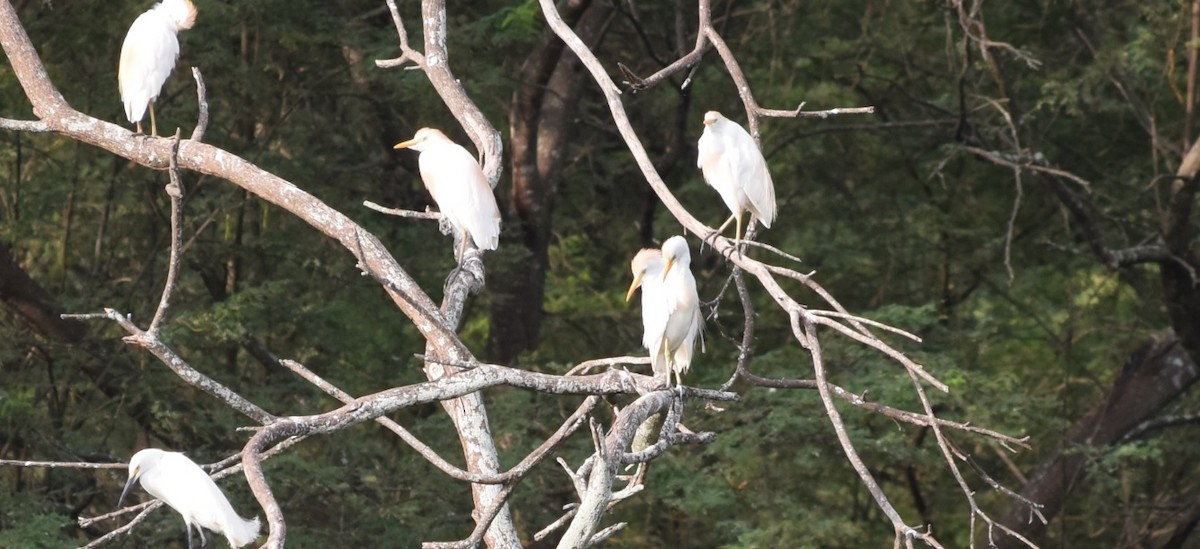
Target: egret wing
{"x":718,"y":168}
{"x":147,"y":58}
{"x":202,"y":502}
{"x":683,"y":306}
{"x":457,"y":184}
{"x":751,"y":169}
{"x":655,"y":314}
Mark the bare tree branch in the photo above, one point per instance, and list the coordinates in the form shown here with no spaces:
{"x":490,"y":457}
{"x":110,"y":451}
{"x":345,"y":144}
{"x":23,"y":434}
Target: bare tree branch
{"x":427,"y":214}
{"x":202,"y":111}
{"x":185,"y":371}
{"x":35,"y":126}
{"x":175,"y":191}
{"x":807,"y":335}
{"x":435,"y":63}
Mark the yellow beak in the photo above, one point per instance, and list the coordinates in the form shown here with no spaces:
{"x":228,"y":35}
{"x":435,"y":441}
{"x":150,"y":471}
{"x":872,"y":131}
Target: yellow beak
{"x":405,"y":144}
{"x":709,"y":122}
{"x":667,"y":268}
{"x":637,"y":281}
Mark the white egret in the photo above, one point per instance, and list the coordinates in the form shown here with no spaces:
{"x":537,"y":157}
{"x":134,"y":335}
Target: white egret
{"x":671,"y":318}
{"x":183,"y":485}
{"x":734,"y":166}
{"x":149,"y":54}
{"x":456,"y":182}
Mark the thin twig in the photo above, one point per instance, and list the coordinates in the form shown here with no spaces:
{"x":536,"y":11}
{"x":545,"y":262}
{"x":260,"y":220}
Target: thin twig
{"x":427,"y":214}
{"x":185,"y":371}
{"x":175,"y":191}
{"x":587,"y":365}
{"x":202,"y":102}
{"x":872,"y":341}
{"x":35,"y":126}
{"x":63,"y":464}
{"x":770,"y":248}
{"x":867,"y":321}
{"x":807,"y":336}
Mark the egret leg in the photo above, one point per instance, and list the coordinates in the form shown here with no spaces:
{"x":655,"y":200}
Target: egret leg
{"x":673,"y":368}
{"x":735,"y":217}
{"x":139,"y":127}
{"x":153,"y":125}
{"x":189,"y":532}
{"x":462,"y":247}
{"x":666,"y":361}
{"x":721,"y":229}
{"x":737,"y":231}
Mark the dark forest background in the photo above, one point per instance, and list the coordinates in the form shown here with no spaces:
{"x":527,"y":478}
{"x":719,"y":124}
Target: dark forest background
{"x":1014,"y":206}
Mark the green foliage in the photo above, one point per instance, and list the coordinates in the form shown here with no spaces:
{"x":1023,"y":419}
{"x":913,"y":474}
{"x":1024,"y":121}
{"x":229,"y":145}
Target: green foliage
{"x":27,"y":521}
{"x":897,"y":222}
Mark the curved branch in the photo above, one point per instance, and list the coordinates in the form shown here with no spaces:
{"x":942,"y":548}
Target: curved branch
{"x":185,"y":371}
{"x":54,"y":111}
{"x":435,"y":63}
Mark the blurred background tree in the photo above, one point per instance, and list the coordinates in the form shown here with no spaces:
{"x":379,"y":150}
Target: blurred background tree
{"x":903,"y":215}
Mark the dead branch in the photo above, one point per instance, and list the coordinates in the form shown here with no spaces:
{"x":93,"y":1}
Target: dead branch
{"x":435,"y":63}
{"x":185,"y":371}
{"x":427,"y":214}
{"x":175,"y":192}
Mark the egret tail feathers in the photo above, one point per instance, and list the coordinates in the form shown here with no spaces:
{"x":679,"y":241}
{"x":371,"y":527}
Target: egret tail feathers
{"x":242,"y":531}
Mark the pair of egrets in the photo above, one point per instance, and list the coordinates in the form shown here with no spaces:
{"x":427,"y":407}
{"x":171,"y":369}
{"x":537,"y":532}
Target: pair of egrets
{"x":729,"y":158}
{"x":732,"y":164}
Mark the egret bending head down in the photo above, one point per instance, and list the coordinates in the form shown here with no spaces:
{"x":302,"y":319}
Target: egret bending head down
{"x":457,"y":184}
{"x":671,"y":319}
{"x":149,"y":54}
{"x":734,"y":166}
{"x":183,"y":485}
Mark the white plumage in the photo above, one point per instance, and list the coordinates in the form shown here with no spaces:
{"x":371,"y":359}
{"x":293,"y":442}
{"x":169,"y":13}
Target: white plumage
{"x":148,"y":56}
{"x":647,"y":268}
{"x":183,"y":485}
{"x":457,"y":184}
{"x":735,"y":167}
{"x":671,"y":319}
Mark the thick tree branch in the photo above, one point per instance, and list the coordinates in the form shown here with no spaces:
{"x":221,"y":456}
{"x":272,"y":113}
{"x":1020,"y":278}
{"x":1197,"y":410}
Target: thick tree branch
{"x":456,"y":385}
{"x":435,"y":63}
{"x":49,"y":105}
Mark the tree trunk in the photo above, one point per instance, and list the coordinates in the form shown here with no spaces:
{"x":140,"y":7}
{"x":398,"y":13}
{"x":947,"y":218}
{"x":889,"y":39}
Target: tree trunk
{"x":32,"y":304}
{"x":1153,"y":377}
{"x":541,"y":109}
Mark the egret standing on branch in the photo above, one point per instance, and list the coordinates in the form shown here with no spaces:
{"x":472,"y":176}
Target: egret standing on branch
{"x":456,"y":182}
{"x":734,"y":166}
{"x":180,"y":483}
{"x":671,"y":318}
{"x":149,"y":54}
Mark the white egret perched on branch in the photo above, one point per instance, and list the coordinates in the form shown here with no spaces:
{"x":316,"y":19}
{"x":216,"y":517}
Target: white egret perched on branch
{"x":456,"y":182}
{"x":149,"y":54}
{"x":671,"y":318}
{"x":734,"y":166}
{"x":183,"y":485}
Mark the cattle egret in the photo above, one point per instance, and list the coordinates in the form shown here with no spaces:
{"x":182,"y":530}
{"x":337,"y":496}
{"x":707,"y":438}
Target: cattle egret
{"x":456,"y":182}
{"x":734,"y":166}
{"x":671,"y":318}
{"x":180,"y":483}
{"x":149,"y":54}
